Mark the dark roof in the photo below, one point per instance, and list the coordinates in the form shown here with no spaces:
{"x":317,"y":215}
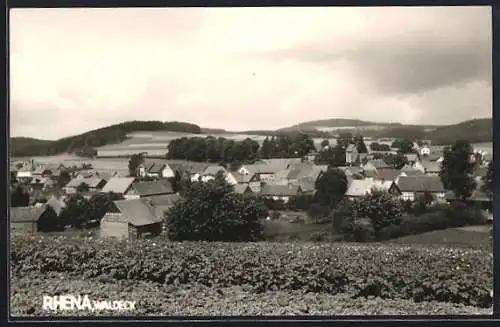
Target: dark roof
{"x":191,"y":167}
{"x":378,"y":163}
{"x":213,"y":170}
{"x":241,"y":178}
{"x":26,"y":214}
{"x":153,"y":188}
{"x":137,"y":212}
{"x":370,"y":173}
{"x":413,"y":172}
{"x":157,"y":168}
{"x":242,"y":188}
{"x":431,"y":166}
{"x":280,"y":190}
{"x":388,"y":174}
{"x":420,"y":184}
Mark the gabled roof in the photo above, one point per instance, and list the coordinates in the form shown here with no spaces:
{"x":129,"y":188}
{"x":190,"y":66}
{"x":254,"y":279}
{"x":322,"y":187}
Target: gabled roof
{"x":77,"y":181}
{"x":26,"y":214}
{"x":420,"y":184}
{"x":241,"y":178}
{"x":280,"y":190}
{"x":307,"y":185}
{"x":190,"y":167}
{"x":156,"y":168}
{"x":413,"y":172}
{"x":118,"y":184}
{"x":388,"y":174}
{"x":361,"y":187}
{"x":242,"y":188}
{"x":137,"y":212}
{"x":306,"y":170}
{"x":431,"y":166}
{"x":153,"y":188}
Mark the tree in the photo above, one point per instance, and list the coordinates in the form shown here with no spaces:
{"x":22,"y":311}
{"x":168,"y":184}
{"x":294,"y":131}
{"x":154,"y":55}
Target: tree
{"x":211,"y":211}
{"x":19,"y":197}
{"x":396,"y":161}
{"x":135,"y":161}
{"x":404,"y":145}
{"x":83,"y":187}
{"x":344,"y":140}
{"x":330,"y":187}
{"x":78,"y":211}
{"x":325,"y":143}
{"x":360,"y":144}
{"x":102,"y":203}
{"x":374,"y":146}
{"x":381,"y":207}
{"x":63,"y":178}
{"x":488,"y":186}
{"x":457,"y":170}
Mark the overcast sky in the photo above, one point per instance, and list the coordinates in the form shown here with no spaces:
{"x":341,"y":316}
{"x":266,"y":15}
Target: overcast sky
{"x":73,"y":70}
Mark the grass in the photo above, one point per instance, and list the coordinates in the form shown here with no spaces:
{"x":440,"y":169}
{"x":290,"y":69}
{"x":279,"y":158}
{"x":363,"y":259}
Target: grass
{"x":473,"y":237}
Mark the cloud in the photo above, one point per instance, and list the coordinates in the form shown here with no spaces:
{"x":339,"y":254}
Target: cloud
{"x":73,"y":70}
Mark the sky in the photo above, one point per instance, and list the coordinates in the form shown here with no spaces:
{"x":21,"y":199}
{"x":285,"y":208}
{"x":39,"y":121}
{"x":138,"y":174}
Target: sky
{"x":74,"y":70}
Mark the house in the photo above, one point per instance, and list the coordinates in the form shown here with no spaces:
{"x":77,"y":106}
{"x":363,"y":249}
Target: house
{"x":362,"y":187}
{"x":242,"y":189}
{"x":38,"y":183}
{"x":95,"y":183}
{"x":431,"y":168}
{"x":133,"y":220}
{"x":387,"y":174}
{"x":211,"y":171}
{"x":148,"y":189}
{"x":24,"y":175}
{"x":31,"y":219}
{"x":162,"y":203}
{"x":351,"y":154}
{"x":306,"y":170}
{"x":410,"y":188}
{"x":72,"y":185}
{"x":119,"y":185}
{"x":375,"y":164}
{"x":280,"y":191}
{"x":161,"y":171}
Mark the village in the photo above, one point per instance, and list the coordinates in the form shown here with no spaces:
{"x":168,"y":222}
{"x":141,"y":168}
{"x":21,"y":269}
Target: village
{"x":147,"y":192}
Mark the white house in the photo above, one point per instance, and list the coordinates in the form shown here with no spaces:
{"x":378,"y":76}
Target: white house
{"x":425,"y":150}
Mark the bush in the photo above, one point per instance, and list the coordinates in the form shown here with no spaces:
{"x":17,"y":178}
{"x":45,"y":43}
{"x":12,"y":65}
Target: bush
{"x":213,"y":212}
{"x":272,"y":204}
{"x":301,"y":202}
{"x":342,"y":218}
{"x":461,"y":214}
{"x":363,"y":230}
{"x":390,"y":232}
{"x":381,"y":207}
{"x":318,"y":213}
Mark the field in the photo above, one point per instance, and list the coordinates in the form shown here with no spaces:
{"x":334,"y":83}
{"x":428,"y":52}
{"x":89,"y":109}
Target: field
{"x":167,"y":278}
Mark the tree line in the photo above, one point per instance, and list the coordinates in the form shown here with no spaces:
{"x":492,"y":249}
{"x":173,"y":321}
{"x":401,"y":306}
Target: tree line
{"x":223,"y":150}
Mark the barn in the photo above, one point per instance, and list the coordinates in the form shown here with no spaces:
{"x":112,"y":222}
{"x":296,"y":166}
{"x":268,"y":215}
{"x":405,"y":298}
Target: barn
{"x":32,"y":219}
{"x":135,"y":219}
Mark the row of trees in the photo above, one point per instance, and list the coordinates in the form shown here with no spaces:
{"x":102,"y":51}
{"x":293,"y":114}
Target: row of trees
{"x":222,"y":150}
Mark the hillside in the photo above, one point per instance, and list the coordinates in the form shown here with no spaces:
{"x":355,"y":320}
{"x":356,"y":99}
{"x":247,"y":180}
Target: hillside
{"x":81,"y":144}
{"x":475,"y":130}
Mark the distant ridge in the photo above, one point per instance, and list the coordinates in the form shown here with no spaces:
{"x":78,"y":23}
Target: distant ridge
{"x":475,"y":130}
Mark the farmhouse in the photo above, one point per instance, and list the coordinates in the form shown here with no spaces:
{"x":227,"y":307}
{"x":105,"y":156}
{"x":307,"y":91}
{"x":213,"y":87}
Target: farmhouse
{"x":119,"y":185}
{"x":148,"y":189}
{"x":280,"y":192}
{"x":410,"y":188}
{"x":31,"y":219}
{"x":135,"y":219}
